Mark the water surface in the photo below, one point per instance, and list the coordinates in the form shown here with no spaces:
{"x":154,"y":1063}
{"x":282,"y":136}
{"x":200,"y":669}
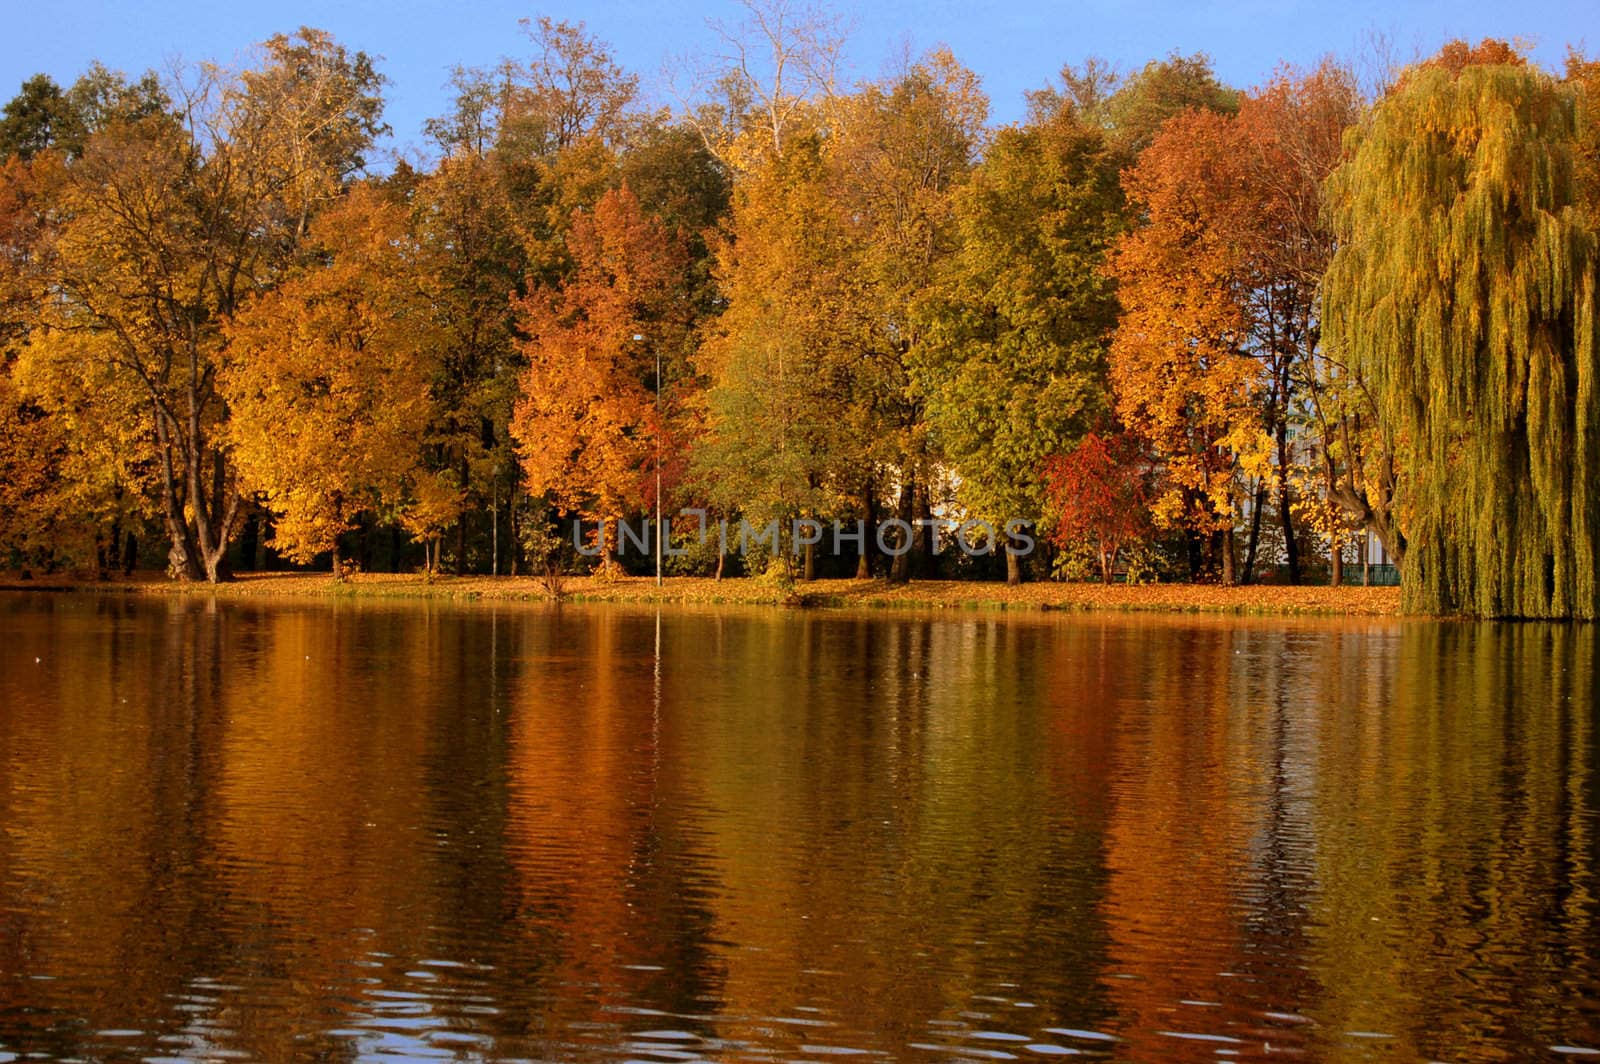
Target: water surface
{"x":352,"y":831}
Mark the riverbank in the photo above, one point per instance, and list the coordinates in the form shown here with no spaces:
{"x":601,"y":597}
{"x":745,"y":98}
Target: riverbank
{"x":826,"y":594}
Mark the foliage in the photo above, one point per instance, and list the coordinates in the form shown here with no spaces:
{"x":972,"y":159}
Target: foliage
{"x":151,"y":239}
{"x":1099,"y":494}
{"x":1015,"y":366}
{"x":864,"y":303}
{"x":1218,"y":349}
{"x":1464,"y":292}
{"x":593,"y":416}
{"x":789,"y":375}
{"x":1132,"y":109}
{"x":322,"y":379}
{"x":1180,"y":368}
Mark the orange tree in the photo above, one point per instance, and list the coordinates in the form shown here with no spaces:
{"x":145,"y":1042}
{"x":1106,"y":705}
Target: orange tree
{"x":586,"y":424}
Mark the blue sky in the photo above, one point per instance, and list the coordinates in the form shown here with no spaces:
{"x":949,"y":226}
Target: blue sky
{"x":1014,"y":47}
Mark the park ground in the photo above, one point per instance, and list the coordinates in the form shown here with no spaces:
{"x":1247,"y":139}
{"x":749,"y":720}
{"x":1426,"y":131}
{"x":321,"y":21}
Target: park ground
{"x":846,"y":594}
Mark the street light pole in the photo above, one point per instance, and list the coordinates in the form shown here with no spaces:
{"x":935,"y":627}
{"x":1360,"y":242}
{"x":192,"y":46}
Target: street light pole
{"x":660,"y":529}
{"x":639,"y":338}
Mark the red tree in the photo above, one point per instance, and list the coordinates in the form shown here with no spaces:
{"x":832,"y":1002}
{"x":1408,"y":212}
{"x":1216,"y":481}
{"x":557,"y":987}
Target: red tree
{"x":1100,"y":493}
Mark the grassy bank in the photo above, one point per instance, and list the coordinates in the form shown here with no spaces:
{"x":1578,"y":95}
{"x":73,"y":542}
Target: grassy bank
{"x":842,"y":594}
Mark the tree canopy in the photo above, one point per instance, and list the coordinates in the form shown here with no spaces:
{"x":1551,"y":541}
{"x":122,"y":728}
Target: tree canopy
{"x":1187,"y":329}
{"x":1464,"y":291}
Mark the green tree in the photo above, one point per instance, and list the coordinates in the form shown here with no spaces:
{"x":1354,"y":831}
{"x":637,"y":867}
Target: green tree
{"x":42,"y":116}
{"x":1133,"y":108}
{"x":1464,"y":290}
{"x":34,"y":119}
{"x":788,"y":362}
{"x":1015,"y":369}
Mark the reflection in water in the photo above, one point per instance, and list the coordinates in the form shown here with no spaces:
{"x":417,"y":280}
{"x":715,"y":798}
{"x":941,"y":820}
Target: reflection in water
{"x":338,"y":832}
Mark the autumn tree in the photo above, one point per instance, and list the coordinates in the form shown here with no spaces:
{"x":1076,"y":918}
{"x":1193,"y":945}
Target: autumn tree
{"x":1287,"y":139}
{"x":1233,"y":205}
{"x":463,"y":222}
{"x":157,"y":234}
{"x":791,"y":383}
{"x":570,"y":88}
{"x":902,"y":151}
{"x":1099,"y":495}
{"x":1464,"y":292}
{"x":771,"y":70}
{"x":310,"y":111}
{"x":1180,"y":367}
{"x":530,"y":147}
{"x":1291,"y":134}
{"x":326,"y":379}
{"x":587,"y":423}
{"x":838,"y":234}
{"x":74,"y":489}
{"x":1015,"y":368}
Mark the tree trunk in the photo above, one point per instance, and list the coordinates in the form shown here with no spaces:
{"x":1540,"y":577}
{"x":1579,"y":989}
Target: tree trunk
{"x":249,"y":540}
{"x":810,"y":572}
{"x":338,"y":570}
{"x":922,"y":534}
{"x":181,"y":554}
{"x":1013,"y":566}
{"x":1255,"y":532}
{"x":461,"y":525}
{"x":130,"y":555}
{"x":213,"y":510}
{"x":1336,"y":565}
{"x":1291,"y":550}
{"x":1228,"y":548}
{"x":900,"y":567}
{"x":514,"y":528}
{"x":863,"y":556}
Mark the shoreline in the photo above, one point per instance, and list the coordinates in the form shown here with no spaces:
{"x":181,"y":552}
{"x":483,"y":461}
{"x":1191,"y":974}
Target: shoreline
{"x":928,"y":595}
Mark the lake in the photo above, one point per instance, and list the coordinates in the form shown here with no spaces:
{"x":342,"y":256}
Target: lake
{"x":348,"y":830}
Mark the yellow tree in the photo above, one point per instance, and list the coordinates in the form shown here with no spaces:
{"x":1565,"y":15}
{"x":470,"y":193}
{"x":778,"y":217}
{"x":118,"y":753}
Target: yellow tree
{"x":162,"y":228}
{"x":901,"y":152}
{"x":75,"y":479}
{"x":327,"y":379}
{"x":792,"y":385}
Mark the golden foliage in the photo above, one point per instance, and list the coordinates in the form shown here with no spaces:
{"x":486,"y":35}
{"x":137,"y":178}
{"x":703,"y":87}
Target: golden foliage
{"x":326,"y":379}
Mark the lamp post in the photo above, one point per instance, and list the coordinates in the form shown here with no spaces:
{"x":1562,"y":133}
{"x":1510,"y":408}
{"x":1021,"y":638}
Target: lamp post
{"x":659,"y":529}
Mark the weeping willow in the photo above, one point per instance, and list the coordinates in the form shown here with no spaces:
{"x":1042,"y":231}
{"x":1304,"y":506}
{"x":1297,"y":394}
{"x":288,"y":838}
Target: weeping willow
{"x":1463,"y":293}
